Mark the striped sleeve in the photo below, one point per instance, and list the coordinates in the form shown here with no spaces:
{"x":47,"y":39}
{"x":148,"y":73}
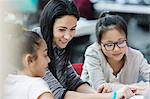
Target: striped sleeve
{"x":73,"y":80}
{"x":56,"y":88}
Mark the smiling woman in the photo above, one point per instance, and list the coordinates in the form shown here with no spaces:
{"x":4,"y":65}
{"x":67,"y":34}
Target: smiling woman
{"x":64,"y":30}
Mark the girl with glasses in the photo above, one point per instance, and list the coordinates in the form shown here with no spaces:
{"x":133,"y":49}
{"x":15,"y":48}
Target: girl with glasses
{"x":110,"y":63}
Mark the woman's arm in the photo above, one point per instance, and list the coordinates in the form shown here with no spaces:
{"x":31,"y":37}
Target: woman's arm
{"x":73,"y":80}
{"x":54,"y":85}
{"x":125,"y":92}
{"x":85,"y":88}
{"x":46,"y":95}
{"x":77,"y":95}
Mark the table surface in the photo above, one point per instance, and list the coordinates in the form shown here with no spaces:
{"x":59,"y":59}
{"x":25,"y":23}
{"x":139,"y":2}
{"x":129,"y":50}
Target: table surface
{"x":123,"y":8}
{"x":137,"y":97}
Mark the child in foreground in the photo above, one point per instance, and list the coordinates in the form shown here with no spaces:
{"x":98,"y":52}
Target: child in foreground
{"x":27,"y":83}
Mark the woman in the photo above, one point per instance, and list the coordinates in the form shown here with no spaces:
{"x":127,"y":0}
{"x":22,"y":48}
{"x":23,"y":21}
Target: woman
{"x":109,"y":61}
{"x":58,"y":24}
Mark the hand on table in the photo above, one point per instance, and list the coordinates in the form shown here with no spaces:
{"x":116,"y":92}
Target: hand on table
{"x":104,"y":88}
{"x":129,"y":91}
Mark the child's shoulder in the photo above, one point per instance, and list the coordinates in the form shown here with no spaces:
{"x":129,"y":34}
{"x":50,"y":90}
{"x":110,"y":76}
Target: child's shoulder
{"x":23,"y":78}
{"x":134,"y":52}
{"x":94,"y":46}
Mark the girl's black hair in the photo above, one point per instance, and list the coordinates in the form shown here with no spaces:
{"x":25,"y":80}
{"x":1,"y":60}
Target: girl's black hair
{"x":107,"y":21}
{"x":55,"y":9}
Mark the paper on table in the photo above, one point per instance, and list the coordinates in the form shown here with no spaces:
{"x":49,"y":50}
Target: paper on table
{"x":137,"y":97}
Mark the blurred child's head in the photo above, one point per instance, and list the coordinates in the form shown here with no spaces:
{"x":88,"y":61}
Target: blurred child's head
{"x":32,"y":51}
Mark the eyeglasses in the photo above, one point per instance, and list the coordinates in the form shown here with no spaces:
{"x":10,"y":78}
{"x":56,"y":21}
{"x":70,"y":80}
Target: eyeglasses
{"x":110,"y":46}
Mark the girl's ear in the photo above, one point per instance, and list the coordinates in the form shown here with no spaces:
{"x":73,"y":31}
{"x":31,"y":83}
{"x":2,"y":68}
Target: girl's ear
{"x":28,"y":60}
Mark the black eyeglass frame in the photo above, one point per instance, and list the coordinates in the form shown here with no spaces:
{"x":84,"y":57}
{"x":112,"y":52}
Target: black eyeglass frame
{"x":114,"y":44}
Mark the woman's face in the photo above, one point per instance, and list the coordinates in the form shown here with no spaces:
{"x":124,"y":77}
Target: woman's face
{"x":64,"y":30}
{"x":114,"y":44}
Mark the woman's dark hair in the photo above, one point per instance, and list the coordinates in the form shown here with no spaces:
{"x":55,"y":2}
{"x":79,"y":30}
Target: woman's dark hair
{"x":108,"y":21}
{"x":55,"y":9}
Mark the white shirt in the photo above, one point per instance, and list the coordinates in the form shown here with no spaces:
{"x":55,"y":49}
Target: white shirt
{"x":24,"y":87}
{"x":96,"y":70}
{"x":113,"y":78}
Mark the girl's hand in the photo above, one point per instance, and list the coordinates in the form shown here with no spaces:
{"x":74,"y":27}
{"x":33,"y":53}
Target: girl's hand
{"x":129,"y":91}
{"x":125,"y":93}
{"x":138,"y":91}
{"x":104,"y":88}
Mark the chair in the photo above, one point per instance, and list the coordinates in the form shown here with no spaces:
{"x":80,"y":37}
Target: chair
{"x":78,"y":68}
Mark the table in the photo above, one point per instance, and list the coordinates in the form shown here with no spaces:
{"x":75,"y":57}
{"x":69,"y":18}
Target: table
{"x":137,"y":97}
{"x":85,"y":27}
{"x":123,"y":8}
